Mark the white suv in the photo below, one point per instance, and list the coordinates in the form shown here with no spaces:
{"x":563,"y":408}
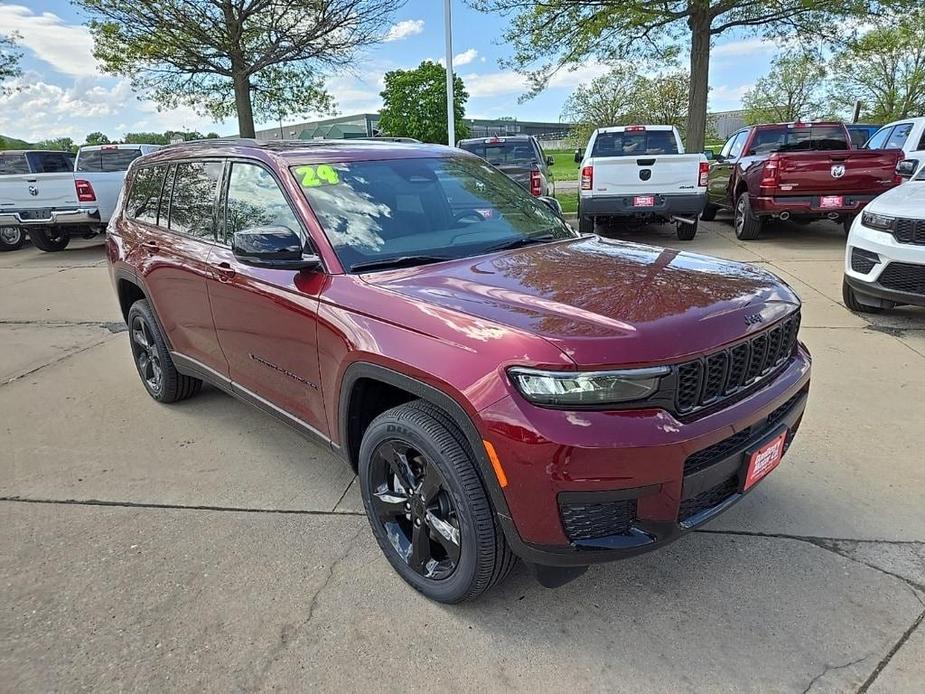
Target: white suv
{"x":885,"y":255}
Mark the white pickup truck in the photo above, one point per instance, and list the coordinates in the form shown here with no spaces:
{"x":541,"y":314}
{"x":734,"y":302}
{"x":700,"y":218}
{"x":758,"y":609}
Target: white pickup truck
{"x":641,"y":173}
{"x":74,"y":199}
{"x":907,"y":134}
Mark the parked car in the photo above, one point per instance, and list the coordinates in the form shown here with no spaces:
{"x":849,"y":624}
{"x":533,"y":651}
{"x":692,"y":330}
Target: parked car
{"x":519,"y":157}
{"x":885,"y":255}
{"x":22,"y":164}
{"x":641,"y":173}
{"x":860,"y":133}
{"x":799,"y":171}
{"x":54,"y":205}
{"x":502,"y":386}
{"x":907,"y":135}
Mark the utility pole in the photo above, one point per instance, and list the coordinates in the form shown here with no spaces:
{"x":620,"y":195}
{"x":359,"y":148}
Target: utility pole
{"x":450,"y":114}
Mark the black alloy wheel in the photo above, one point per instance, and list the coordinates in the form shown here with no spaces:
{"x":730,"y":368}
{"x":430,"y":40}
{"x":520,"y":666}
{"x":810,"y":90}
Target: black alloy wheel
{"x":414,"y":507}
{"x":146,"y":356}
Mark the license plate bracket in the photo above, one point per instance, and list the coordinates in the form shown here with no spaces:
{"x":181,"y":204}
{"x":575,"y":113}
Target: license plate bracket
{"x":828,"y":202}
{"x":643,"y":201}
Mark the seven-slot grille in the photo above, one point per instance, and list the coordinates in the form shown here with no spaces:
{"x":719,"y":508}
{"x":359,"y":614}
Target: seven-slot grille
{"x":708,"y":380}
{"x":909,"y":231}
{"x":904,"y":277}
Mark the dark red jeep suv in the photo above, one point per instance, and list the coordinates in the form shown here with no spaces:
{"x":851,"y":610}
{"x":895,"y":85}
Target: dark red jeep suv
{"x":502,"y":386}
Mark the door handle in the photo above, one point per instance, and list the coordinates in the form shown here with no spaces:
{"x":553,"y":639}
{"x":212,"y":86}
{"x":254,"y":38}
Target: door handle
{"x":224,"y":272}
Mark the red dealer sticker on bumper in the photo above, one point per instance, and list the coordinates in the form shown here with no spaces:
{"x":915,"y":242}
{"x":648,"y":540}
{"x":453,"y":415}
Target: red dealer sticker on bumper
{"x":644,"y":201}
{"x":765,"y":459}
{"x":830,"y":201}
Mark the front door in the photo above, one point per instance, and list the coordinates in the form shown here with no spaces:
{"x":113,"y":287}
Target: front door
{"x":721,"y":169}
{"x":267,"y":320}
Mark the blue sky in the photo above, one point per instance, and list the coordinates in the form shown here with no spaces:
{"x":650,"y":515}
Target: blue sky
{"x":64,"y":93}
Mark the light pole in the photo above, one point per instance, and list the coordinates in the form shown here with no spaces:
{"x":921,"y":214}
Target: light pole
{"x":450,"y":115}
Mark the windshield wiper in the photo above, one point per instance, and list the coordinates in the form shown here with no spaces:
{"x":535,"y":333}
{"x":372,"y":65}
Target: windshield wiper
{"x":518,"y":242}
{"x":400,"y":261}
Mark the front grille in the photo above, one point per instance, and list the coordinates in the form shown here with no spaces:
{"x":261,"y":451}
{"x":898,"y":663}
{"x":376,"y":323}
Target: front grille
{"x":910,"y":231}
{"x":904,"y":277}
{"x":719,"y":375}
{"x":863,"y":261}
{"x":589,"y":521}
{"x":709,"y":498}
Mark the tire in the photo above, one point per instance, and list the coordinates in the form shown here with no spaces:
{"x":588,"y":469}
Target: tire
{"x":11,"y":239}
{"x":585,"y":224}
{"x":157,"y":371}
{"x":50,"y":239}
{"x":747,"y":225}
{"x":850,"y":298}
{"x":709,"y":212}
{"x":435,"y":453}
{"x":846,"y":224}
{"x":686,"y":232}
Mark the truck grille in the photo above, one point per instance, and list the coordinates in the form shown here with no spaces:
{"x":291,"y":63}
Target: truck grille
{"x":910,"y":231}
{"x":711,"y":379}
{"x":589,"y":521}
{"x":904,"y":277}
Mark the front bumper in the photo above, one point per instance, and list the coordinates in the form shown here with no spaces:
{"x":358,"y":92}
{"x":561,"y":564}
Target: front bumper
{"x":808,"y":205}
{"x":889,"y":250}
{"x":554,"y":458}
{"x":682,"y":204}
{"x":69,"y":216}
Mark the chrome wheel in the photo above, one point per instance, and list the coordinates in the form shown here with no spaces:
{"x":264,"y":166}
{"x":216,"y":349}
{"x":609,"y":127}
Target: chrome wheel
{"x":146,"y":355}
{"x":10,"y":235}
{"x":740,"y":215}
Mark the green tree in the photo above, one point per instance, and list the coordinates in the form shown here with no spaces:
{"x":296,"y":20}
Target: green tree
{"x":96,"y":138}
{"x":792,"y":90}
{"x":252,"y":58}
{"x":65,"y":144}
{"x":9,"y":58}
{"x":143,"y":138}
{"x":558,"y":35}
{"x":414,"y":104}
{"x":884,"y":70}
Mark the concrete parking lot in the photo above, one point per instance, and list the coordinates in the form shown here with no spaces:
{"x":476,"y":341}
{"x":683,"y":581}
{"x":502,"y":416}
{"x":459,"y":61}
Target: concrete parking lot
{"x":205,"y":546}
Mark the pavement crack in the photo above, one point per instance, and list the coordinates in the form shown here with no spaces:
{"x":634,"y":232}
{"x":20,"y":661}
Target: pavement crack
{"x":889,"y":656}
{"x":111,"y":326}
{"x":57,"y":360}
{"x":832,"y":668}
{"x":179,"y":507}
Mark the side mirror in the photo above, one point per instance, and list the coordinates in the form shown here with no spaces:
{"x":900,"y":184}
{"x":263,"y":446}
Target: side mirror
{"x":550,"y":161}
{"x":709,"y":154}
{"x":907,"y":167}
{"x":551,"y":203}
{"x":274,"y":248}
{"x":579,"y":155}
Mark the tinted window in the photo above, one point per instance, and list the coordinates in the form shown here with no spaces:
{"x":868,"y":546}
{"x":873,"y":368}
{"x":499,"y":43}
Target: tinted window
{"x":255,"y":200}
{"x":858,"y":136}
{"x":145,"y":195}
{"x":738,"y":143}
{"x":52,"y":162}
{"x":192,"y":204}
{"x":446,"y":207}
{"x":13,"y":164}
{"x":634,"y":143}
{"x":500,"y":153}
{"x":800,"y":138}
{"x":106,"y":159}
{"x":898,"y":137}
{"x":879,"y":139}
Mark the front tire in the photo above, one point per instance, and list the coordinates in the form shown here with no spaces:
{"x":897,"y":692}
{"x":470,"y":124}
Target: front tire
{"x":747,"y":225}
{"x":850,"y":298}
{"x":427,"y":506}
{"x":152,"y":358}
{"x":50,"y":239}
{"x":686,"y":232}
{"x":585,"y":224}
{"x":11,"y":239}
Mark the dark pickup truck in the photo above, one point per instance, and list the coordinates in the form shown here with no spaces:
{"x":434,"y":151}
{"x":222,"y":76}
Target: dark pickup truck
{"x":800,"y":171}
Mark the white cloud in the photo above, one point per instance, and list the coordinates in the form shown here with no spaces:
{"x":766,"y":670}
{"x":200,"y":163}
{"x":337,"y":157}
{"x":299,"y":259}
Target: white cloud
{"x":404,"y":29}
{"x":465,"y":57}
{"x":510,"y":82}
{"x":68,"y":48}
{"x":743,"y":47}
{"x":724,"y":97}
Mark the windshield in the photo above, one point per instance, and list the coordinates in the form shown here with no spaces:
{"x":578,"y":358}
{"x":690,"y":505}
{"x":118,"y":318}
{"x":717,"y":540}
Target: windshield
{"x":799,"y":139}
{"x":453,"y":207}
{"x":106,"y":159}
{"x":501,"y":153}
{"x":634,"y":142}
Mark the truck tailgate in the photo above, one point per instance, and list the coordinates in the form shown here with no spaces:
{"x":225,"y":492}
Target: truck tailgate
{"x":37,"y":192}
{"x":106,"y":187}
{"x":661,"y":173}
{"x":837,"y":171}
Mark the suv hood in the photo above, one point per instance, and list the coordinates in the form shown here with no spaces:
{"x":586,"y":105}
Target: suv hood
{"x":602,"y":302}
{"x":906,"y":200}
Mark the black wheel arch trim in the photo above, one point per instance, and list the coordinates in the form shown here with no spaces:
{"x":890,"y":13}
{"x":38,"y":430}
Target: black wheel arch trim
{"x":135,"y":279}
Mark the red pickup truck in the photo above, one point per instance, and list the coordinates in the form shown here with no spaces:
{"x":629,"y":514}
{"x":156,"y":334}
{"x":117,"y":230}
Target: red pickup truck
{"x":800,"y":171}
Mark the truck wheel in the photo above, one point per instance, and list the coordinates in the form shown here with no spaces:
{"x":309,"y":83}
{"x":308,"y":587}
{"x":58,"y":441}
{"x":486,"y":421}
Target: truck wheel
{"x":747,"y":225}
{"x":585,"y":224}
{"x":686,"y":232}
{"x":50,"y":239}
{"x":850,"y":298}
{"x":709,"y":212}
{"x":152,"y":358}
{"x":427,"y":507}
{"x":11,"y":238}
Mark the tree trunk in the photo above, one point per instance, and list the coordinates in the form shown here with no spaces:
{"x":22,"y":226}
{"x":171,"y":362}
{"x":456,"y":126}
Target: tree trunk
{"x":699,"y":23}
{"x":242,"y":102}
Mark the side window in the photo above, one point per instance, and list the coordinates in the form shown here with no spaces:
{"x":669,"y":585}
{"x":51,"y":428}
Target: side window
{"x":144,"y":199}
{"x":879,"y":138}
{"x":192,"y":204}
{"x":737,"y":144}
{"x":897,"y":139}
{"x":255,"y":200}
{"x":922,"y":141}
{"x":727,"y":148}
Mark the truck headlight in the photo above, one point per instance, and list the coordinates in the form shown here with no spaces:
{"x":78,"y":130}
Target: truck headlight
{"x":877,"y":221}
{"x":586,"y":388}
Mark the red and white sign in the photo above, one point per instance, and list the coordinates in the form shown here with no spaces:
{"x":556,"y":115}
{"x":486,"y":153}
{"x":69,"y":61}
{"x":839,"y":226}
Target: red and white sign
{"x":644,"y":201}
{"x":765,"y":459}
{"x":829,"y":201}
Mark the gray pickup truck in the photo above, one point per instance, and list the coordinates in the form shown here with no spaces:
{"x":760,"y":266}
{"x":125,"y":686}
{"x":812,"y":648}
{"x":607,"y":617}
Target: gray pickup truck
{"x":20,"y":174}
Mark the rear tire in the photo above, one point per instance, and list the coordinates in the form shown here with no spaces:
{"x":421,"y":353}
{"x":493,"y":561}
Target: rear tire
{"x":420,"y":438}
{"x":50,"y":239}
{"x":152,"y":358}
{"x":747,"y":225}
{"x":585,"y":224}
{"x":850,"y":298}
{"x":709,"y":212}
{"x":686,"y":232}
{"x":11,"y":239}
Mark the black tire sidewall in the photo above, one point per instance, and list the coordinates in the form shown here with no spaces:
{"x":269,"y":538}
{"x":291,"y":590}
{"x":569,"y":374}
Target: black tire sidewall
{"x":44,"y":242}
{"x":686,"y":232}
{"x":16,"y":245}
{"x":169,"y":376}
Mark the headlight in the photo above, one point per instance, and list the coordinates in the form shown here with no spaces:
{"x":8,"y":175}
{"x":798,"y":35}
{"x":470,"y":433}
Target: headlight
{"x":877,"y":221}
{"x":583,"y":389}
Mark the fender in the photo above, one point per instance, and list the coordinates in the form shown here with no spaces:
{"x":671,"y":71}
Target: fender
{"x":131,"y":277}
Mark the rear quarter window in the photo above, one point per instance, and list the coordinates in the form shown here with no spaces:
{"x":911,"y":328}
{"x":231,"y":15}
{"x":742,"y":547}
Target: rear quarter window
{"x":144,"y":198}
{"x":13,"y":164}
{"x":799,"y":139}
{"x":500,"y":153}
{"x":53,"y":162}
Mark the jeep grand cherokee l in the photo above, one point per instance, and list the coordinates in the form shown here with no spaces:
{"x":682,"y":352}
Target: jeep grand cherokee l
{"x":502,"y":386}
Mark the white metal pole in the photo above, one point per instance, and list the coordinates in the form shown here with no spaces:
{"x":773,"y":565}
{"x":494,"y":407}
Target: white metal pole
{"x":450,"y":115}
